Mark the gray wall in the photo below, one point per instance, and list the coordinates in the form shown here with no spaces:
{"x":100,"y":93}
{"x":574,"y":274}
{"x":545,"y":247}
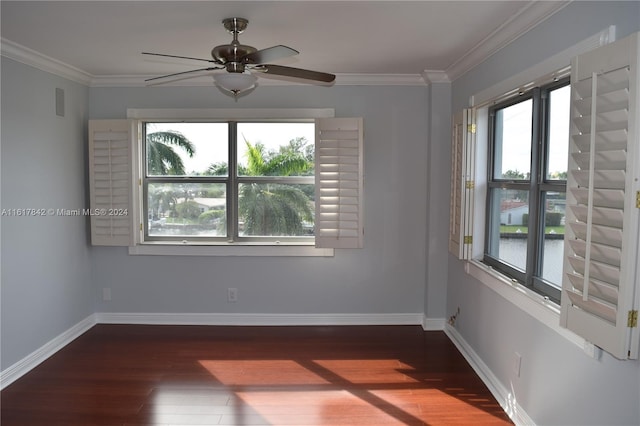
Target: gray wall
{"x":46,"y":276}
{"x":569,"y":26}
{"x":51,"y":278}
{"x":437,"y":192}
{"x":559,"y":384}
{"x":386,"y":276}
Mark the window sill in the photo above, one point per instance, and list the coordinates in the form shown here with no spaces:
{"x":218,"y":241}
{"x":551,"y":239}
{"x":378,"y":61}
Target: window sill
{"x":532,"y":303}
{"x":230,"y":249}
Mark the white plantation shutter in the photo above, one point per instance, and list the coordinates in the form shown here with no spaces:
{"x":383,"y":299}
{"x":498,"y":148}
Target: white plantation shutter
{"x":110,"y":175}
{"x":462,"y":184}
{"x":339,"y":183}
{"x":600,"y":280}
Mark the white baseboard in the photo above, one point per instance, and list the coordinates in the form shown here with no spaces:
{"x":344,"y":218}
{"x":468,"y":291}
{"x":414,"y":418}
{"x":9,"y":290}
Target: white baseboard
{"x":504,"y":396}
{"x":31,"y":361}
{"x":433,"y":324}
{"x":500,"y":392}
{"x":258,"y":319}
{"x":22,"y":367}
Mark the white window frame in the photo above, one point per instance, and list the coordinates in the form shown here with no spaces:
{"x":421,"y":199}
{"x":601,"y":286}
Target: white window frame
{"x":138,"y":246}
{"x":534,"y":304}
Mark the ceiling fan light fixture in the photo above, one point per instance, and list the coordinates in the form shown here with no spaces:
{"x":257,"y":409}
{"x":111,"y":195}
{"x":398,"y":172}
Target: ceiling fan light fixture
{"x":235,"y":83}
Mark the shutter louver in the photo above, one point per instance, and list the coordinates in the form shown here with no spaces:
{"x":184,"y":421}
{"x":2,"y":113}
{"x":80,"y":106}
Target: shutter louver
{"x":339,"y":183}
{"x":601,"y":236}
{"x":110,"y":182}
{"x":462,"y":185}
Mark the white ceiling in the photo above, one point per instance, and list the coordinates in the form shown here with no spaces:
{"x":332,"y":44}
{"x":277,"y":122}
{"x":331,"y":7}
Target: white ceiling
{"x":104,"y":39}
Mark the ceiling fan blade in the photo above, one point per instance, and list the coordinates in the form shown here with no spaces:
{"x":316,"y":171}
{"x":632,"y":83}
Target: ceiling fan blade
{"x":179,"y":57}
{"x":269,"y":54}
{"x":183,"y":73}
{"x":296,"y":72}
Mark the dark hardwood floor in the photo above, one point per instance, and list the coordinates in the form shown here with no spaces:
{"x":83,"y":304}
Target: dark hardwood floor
{"x":204,"y":375}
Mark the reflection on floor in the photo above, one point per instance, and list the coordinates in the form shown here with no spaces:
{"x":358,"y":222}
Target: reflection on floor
{"x":193,"y":375}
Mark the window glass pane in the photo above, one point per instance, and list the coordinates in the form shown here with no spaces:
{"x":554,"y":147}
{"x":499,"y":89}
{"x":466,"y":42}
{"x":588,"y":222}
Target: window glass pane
{"x":187,"y":149}
{"x":186,"y":209}
{"x":276,"y":149}
{"x":553,"y":246}
{"x":508,"y":231}
{"x":558,"y":143}
{"x":275,"y":209}
{"x":512,"y":143}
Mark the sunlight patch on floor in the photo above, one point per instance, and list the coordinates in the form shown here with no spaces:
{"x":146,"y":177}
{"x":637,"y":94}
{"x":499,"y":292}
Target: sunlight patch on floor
{"x":375,"y":371}
{"x":314,"y":407}
{"x":261,"y":372}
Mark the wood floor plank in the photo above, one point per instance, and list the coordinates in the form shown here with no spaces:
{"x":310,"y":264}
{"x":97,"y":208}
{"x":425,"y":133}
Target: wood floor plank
{"x":203,"y":375}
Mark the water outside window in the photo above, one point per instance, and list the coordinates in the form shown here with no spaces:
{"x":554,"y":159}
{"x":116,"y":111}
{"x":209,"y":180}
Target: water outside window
{"x":509,"y":210}
{"x":511,"y":161}
{"x":509,"y":231}
{"x":187,"y":209}
{"x":556,"y":170}
{"x":189,"y":190}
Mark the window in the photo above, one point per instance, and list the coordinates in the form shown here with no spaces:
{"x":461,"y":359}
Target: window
{"x":229,"y":181}
{"x":526,"y":187}
{"x":582,"y":182}
{"x":189,"y":182}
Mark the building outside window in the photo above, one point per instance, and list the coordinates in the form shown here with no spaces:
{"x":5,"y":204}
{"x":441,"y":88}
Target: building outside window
{"x":229,"y":181}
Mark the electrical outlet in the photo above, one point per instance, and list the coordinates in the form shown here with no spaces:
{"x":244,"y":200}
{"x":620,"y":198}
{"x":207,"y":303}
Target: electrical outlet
{"x":454,"y":317}
{"x":232,"y":295}
{"x":517,"y":361}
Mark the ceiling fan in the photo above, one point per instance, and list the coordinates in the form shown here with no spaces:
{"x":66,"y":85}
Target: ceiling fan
{"x":239,"y":60}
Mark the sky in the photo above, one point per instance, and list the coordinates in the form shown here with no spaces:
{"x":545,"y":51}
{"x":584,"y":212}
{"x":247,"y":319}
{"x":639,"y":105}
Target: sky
{"x":517,"y":125}
{"x":211,"y":140}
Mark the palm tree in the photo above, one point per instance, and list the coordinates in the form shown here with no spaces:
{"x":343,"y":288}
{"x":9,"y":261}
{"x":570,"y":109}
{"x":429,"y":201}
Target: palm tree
{"x":275,"y":208}
{"x":162,"y":159}
{"x":162,"y":199}
{"x":217,"y":169}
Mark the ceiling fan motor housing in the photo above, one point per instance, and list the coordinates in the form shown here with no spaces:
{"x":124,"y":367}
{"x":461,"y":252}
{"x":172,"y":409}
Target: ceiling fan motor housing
{"x":231,"y":54}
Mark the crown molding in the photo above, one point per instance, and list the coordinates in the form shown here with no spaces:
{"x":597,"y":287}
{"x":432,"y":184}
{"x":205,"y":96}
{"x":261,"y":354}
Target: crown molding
{"x":519,"y":24}
{"x":380,"y":80}
{"x":206,"y":80}
{"x":42,"y":62}
{"x":435,"y":76}
{"x":22,"y":54}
